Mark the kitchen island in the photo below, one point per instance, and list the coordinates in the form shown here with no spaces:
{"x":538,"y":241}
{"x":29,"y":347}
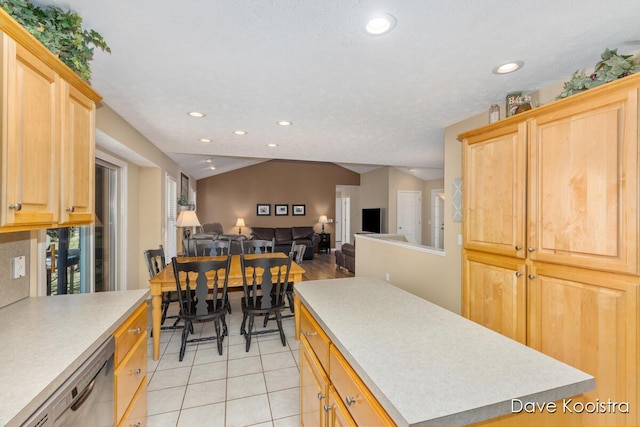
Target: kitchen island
{"x":44,"y":340}
{"x":422,"y":364}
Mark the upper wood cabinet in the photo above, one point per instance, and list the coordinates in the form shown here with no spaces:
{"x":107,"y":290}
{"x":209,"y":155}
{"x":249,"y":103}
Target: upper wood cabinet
{"x":494,"y":191}
{"x":583,"y":184}
{"x":77,"y":163}
{"x":47,"y":136}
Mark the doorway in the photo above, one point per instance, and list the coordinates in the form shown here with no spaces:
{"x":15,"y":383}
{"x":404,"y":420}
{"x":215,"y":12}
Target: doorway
{"x":409,"y":215}
{"x":437,"y":218}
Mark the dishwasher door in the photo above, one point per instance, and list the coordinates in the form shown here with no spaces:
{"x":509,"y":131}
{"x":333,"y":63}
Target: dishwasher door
{"x":85,"y":399}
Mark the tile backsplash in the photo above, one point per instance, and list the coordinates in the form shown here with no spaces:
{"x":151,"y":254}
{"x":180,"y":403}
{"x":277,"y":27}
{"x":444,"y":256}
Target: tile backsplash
{"x":13,"y":245}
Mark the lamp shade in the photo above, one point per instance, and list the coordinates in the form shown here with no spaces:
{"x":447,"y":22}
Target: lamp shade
{"x":323,"y":219}
{"x":188,"y":219}
{"x":240,"y":222}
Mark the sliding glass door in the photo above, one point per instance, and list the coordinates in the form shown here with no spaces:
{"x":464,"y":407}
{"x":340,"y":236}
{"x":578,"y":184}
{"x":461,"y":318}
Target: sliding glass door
{"x":106,"y":226}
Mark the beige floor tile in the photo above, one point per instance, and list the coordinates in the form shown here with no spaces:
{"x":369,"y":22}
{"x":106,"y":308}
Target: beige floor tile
{"x":208,"y":372}
{"x":172,"y":361}
{"x":285,"y":403}
{"x":248,"y":411}
{"x":170,"y":378}
{"x":272,"y":346}
{"x":201,"y":394}
{"x":209,"y":416}
{"x":246,"y":385}
{"x":169,"y":419}
{"x":244,"y":366}
{"x":281,"y":379}
{"x":165,"y":400}
{"x":277,"y":361}
{"x":238,"y":351}
{"x":293,"y":421}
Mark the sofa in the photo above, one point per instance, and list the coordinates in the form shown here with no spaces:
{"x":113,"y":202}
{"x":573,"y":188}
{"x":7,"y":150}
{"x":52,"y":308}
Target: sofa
{"x":346,"y":257}
{"x":285,"y":236}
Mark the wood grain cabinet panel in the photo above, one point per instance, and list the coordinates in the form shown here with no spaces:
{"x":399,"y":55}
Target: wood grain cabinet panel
{"x":316,"y":337}
{"x":314,"y":387}
{"x":339,"y":414}
{"x":136,"y":415}
{"x":589,"y":320}
{"x":494,"y":290}
{"x":494,"y":191}
{"x":77,"y":166}
{"x":30,"y":140}
{"x":583,"y":185}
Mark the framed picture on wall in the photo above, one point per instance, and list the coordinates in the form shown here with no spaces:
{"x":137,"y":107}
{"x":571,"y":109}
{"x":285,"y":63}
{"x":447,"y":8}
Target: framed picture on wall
{"x":282,"y":210}
{"x":184,"y":186}
{"x":263,"y":210}
{"x":298,"y":210}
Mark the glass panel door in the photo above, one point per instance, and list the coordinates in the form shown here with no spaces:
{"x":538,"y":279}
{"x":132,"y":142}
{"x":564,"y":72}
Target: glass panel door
{"x":66,"y":261}
{"x":106,"y":226}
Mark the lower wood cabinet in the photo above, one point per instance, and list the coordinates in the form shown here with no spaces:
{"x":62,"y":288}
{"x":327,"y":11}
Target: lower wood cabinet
{"x":494,"y":293}
{"x":130,"y":360}
{"x":331,"y":393}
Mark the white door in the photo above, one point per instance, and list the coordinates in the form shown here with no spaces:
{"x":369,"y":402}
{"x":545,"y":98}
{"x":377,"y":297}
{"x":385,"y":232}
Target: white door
{"x":437,"y":218}
{"x":409,"y":213}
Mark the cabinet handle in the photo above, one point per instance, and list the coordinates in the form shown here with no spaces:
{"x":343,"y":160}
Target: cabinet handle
{"x":310,"y":334}
{"x":135,"y":372}
{"x":135,"y":331}
{"x":518,"y":274}
{"x":326,"y":408}
{"x":531,"y":276}
{"x":138,"y":424}
{"x":320,"y":396}
{"x":71,"y":209}
{"x":350,"y":400}
{"x":518,"y":247}
{"x":530,"y":249}
{"x":16,"y":206}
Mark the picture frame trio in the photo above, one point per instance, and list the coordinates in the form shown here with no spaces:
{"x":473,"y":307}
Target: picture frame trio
{"x":264,"y":209}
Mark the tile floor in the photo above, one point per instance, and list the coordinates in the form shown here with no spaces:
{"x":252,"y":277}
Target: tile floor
{"x":258,"y":388}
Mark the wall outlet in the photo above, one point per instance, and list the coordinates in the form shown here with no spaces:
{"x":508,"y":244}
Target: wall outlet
{"x":18,"y":267}
{"x":388,"y":277}
{"x":460,"y":239}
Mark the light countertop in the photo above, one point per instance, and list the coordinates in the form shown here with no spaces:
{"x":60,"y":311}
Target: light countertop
{"x":427,"y":365}
{"x":44,"y":340}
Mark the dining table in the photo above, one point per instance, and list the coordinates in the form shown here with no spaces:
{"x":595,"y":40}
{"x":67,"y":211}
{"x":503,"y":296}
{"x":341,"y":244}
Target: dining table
{"x":165,"y":281}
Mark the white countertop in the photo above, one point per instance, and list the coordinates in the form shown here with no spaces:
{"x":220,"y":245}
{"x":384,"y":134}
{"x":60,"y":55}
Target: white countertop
{"x":427,"y":365}
{"x":44,"y":340}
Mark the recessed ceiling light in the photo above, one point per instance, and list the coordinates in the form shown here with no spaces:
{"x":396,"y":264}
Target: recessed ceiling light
{"x":284,"y":123}
{"x":209,"y":160}
{"x":212,"y":168}
{"x":196,"y":114}
{"x":508,"y":67}
{"x":239,"y":132}
{"x":272,"y":145}
{"x":380,"y":24}
{"x":205,"y":140}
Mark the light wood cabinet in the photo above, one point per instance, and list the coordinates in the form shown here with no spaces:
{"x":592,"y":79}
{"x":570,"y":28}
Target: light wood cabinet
{"x":494,"y":293}
{"x":494,"y":191}
{"x":47,"y":137}
{"x":331,"y":393}
{"x":578,"y":262}
{"x":314,"y":387}
{"x":130,"y":368}
{"x":583,"y":184}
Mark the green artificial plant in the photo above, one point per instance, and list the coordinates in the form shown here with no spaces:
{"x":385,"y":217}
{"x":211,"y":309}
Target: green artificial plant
{"x":612,"y":66}
{"x":59,"y":31}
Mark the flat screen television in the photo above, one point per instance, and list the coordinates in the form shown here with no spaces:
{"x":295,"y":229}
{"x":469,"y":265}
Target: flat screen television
{"x":372,"y":220}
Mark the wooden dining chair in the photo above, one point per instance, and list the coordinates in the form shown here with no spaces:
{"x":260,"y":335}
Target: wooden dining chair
{"x":264,"y":281}
{"x":258,"y":246}
{"x":155,"y":263}
{"x":205,"y":286}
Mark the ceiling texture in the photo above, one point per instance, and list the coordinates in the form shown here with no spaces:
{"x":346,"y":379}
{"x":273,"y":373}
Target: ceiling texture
{"x":354,"y":99}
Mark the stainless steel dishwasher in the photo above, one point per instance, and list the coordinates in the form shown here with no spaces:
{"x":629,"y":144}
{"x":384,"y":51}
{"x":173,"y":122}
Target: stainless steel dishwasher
{"x":85,"y":399}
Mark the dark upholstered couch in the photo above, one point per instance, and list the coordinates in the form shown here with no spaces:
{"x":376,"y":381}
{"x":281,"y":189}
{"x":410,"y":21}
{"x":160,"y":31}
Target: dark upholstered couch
{"x":346,"y":257}
{"x":285,"y":236}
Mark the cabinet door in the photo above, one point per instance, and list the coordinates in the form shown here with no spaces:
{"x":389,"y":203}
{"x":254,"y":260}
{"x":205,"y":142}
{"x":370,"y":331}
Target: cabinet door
{"x":494,"y":293}
{"x":494,"y":167}
{"x":77,"y":164}
{"x":339,"y":414}
{"x":314,"y":385}
{"x":583,"y":184}
{"x":30,"y":140}
{"x":589,"y":320}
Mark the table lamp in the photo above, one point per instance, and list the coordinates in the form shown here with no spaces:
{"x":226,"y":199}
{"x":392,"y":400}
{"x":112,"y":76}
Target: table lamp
{"x":188,"y":219}
{"x":240,"y":224}
{"x":323,"y":220}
